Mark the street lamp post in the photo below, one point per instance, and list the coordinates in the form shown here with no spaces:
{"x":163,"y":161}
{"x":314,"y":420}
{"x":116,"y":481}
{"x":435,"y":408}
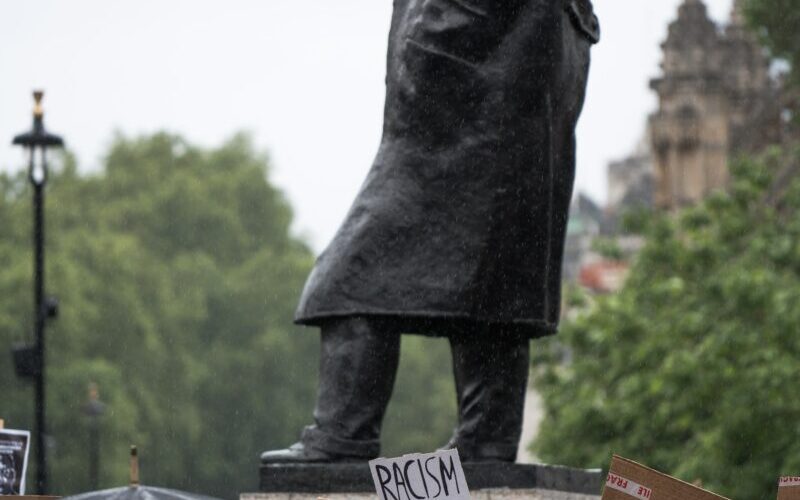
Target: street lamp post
{"x":30,"y":359}
{"x":94,"y":410}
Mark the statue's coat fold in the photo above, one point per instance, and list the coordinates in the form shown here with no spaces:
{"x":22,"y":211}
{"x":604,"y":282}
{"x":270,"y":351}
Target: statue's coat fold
{"x":462,"y":217}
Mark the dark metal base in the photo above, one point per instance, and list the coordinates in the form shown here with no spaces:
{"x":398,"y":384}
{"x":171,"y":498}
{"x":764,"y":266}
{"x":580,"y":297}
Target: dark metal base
{"x":356,"y":478}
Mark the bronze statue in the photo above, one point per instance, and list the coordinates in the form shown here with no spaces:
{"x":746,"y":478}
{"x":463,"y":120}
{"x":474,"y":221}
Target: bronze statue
{"x":458,"y":230}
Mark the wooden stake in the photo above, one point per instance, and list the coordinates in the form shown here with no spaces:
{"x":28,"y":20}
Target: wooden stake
{"x":134,"y":468}
{"x":1,"y":424}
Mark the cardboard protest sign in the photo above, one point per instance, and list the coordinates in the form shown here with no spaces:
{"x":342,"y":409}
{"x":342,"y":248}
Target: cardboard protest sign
{"x":420,"y":476}
{"x":789,"y":488}
{"x":14,"y":447}
{"x":627,"y":479}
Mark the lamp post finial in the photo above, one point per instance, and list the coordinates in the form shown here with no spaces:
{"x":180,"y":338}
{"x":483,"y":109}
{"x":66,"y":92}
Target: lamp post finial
{"x":38,"y":95}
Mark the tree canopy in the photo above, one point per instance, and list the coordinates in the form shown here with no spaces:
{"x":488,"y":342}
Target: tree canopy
{"x":178,"y":277}
{"x":690,"y":367}
{"x":776,"y":22}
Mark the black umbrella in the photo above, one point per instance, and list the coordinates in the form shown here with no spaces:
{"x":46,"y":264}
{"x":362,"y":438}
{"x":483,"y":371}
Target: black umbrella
{"x":135,"y":491}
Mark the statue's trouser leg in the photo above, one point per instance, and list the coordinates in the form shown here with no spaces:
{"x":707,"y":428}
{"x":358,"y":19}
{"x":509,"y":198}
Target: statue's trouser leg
{"x":491,"y":375}
{"x":358,"y":364}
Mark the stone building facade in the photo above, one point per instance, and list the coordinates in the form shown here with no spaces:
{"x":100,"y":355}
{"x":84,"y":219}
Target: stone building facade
{"x":630,"y":180}
{"x":716,"y":99}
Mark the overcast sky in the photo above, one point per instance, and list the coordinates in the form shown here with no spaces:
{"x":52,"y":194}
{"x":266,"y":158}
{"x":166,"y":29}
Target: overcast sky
{"x":305,"y":77}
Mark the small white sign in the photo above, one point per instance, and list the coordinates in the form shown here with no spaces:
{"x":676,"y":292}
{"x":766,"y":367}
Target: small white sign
{"x":420,"y":476}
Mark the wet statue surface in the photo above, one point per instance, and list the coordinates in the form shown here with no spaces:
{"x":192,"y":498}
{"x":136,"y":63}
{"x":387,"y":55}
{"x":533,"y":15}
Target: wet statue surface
{"x":459,"y":227}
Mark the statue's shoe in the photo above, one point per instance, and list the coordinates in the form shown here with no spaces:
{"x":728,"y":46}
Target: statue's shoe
{"x":298,"y":453}
{"x":470,"y":453}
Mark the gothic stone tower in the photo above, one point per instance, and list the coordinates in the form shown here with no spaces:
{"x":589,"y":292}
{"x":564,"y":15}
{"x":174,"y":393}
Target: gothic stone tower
{"x":715,"y":99}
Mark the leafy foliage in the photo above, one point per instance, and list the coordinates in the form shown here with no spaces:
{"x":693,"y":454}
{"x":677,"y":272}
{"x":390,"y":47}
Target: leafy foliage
{"x":690,"y":368}
{"x":178,"y":277}
{"x":776,"y":22}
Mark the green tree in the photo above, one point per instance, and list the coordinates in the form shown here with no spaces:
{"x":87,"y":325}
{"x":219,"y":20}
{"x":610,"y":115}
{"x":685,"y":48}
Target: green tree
{"x":178,"y":277}
{"x":690,"y":368}
{"x":776,"y":22}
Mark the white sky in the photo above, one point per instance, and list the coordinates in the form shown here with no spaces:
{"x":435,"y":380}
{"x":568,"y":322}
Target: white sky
{"x":305,"y":77}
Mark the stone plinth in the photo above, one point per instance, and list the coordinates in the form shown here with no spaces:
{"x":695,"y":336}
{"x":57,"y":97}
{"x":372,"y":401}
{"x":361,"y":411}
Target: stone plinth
{"x":488,"y":494}
{"x":487,"y":481}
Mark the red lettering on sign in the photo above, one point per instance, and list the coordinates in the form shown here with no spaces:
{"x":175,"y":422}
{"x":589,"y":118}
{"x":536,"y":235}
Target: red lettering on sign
{"x":617,"y":481}
{"x":634,"y":489}
{"x":789,"y":481}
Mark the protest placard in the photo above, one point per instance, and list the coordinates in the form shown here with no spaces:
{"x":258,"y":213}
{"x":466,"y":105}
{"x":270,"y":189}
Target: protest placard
{"x":420,"y":476}
{"x":628,"y":479}
{"x":789,"y":488}
{"x":14,"y":447}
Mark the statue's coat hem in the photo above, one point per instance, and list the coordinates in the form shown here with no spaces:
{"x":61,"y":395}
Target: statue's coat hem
{"x":437,"y":323}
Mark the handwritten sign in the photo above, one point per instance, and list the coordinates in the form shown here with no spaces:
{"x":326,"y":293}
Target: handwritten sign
{"x":420,"y":476}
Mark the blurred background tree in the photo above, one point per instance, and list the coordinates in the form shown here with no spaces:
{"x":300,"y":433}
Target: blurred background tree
{"x":776,"y":22}
{"x":178,"y":278}
{"x":690,"y":366}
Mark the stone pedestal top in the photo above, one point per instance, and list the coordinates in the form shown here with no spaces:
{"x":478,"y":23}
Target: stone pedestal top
{"x":486,"y":481}
{"x":490,"y":494}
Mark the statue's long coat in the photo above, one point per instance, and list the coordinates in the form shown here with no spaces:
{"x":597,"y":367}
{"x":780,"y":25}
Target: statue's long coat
{"x":460,"y":223}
